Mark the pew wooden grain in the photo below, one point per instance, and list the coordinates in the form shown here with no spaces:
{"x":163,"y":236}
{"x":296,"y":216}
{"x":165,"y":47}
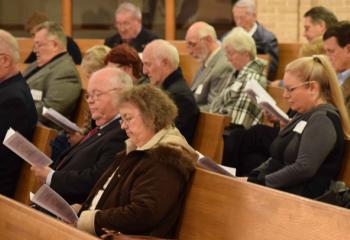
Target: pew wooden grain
{"x":27,"y":181}
{"x":82,"y":110}
{"x":86,"y":43}
{"x":189,"y":67}
{"x":19,"y":222}
{"x":180,"y":46}
{"x":208,"y":138}
{"x":287,"y":53}
{"x":223,"y":208}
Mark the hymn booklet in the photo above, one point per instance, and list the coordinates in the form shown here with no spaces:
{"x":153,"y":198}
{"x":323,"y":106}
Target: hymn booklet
{"x":25,"y":149}
{"x":60,"y":120}
{"x":51,"y":201}
{"x":264,"y":101}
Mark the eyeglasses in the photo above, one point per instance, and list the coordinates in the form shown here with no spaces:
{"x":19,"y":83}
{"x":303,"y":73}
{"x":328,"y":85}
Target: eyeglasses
{"x":191,"y":44}
{"x":289,"y":90}
{"x":126,"y":120}
{"x":95,"y":96}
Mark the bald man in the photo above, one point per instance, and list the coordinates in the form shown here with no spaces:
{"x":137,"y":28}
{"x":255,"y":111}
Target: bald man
{"x":80,"y":167}
{"x":161,"y":64}
{"x":215,"y":69}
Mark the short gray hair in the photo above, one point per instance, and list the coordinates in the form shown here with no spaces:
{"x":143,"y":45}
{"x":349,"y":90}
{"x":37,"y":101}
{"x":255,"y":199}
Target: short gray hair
{"x":207,"y":30}
{"x":9,"y":45}
{"x":164,"y":50}
{"x":54,"y":30}
{"x":129,"y":8}
{"x":249,"y":4}
{"x":239,"y":40}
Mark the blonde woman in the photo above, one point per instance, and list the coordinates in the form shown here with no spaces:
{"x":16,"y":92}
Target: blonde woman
{"x":307,"y":153}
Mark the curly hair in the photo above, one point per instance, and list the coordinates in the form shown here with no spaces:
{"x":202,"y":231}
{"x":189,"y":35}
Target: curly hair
{"x":156,"y":107}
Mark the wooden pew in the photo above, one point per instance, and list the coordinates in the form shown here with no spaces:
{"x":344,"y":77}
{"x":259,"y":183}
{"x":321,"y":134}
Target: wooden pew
{"x":345,"y":171}
{"x":83,"y":79}
{"x":19,"y":222}
{"x":81,"y":110}
{"x":25,"y":47}
{"x":180,"y":46}
{"x":27,"y":182}
{"x":189,"y":67}
{"x":22,"y":67}
{"x":86,"y":43}
{"x":287,"y":53}
{"x":208,"y":138}
{"x":224,"y":208}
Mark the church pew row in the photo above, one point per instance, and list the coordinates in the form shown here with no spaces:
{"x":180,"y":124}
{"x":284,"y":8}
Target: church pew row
{"x":19,"y":222}
{"x":27,"y":182}
{"x":220,"y":207}
{"x":288,"y":51}
{"x":217,"y":207}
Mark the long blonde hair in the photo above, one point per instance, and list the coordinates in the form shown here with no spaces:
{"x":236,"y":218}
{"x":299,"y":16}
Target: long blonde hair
{"x":318,"y":68}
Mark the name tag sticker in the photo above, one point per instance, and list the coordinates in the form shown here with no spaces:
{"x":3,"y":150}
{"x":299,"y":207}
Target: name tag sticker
{"x":199,"y":89}
{"x":236,"y":86}
{"x":37,"y":94}
{"x":299,"y":128}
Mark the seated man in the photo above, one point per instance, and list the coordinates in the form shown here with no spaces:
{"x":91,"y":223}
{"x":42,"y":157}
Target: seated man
{"x":128,"y":21}
{"x":53,"y":79}
{"x":161,"y":65}
{"x":316,"y":21}
{"x":78,"y":169}
{"x":38,"y":18}
{"x":17,"y":110}
{"x":209,"y":80}
{"x":244,"y":14}
{"x":337,"y":45}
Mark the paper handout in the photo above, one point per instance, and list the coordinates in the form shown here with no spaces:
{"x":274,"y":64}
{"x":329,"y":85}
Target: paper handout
{"x":51,"y":201}
{"x":263,"y":100}
{"x":60,"y":120}
{"x":25,"y":149}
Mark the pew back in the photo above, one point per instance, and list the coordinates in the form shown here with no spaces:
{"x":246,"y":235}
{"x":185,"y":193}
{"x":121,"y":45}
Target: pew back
{"x":287,"y":53}
{"x":208,"y":138}
{"x":220,"y":207}
{"x":27,"y":181}
{"x":189,"y":67}
{"x":86,"y":43}
{"x":20,"y":222}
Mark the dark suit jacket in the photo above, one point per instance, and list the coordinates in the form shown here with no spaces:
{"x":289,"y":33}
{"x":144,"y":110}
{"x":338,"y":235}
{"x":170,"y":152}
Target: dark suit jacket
{"x":145,"y":36}
{"x":72,"y":48}
{"x":266,"y":43}
{"x":17,"y":110}
{"x":81,"y":166}
{"x":188,"y":111}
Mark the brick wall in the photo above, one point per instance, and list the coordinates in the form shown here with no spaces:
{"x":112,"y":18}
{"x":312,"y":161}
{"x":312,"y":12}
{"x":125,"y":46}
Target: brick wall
{"x":285,"y":17}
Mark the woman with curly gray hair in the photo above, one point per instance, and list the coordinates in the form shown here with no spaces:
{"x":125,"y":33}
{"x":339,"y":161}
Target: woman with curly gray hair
{"x":143,"y":191}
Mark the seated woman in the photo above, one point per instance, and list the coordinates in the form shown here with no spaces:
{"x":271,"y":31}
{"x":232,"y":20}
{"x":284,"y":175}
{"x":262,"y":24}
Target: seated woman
{"x":144,"y":189}
{"x":125,"y":57}
{"x":307,"y":153}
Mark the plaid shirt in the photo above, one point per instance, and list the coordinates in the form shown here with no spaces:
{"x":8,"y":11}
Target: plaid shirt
{"x":234,"y":102}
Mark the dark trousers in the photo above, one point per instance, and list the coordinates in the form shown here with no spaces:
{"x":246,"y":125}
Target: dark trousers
{"x":246,"y":149}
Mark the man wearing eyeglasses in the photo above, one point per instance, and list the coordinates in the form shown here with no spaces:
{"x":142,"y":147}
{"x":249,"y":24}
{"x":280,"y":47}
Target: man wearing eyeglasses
{"x":53,"y":78}
{"x":17,"y":110}
{"x":81,"y":166}
{"x":210,"y":79}
{"x":128,"y":22}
